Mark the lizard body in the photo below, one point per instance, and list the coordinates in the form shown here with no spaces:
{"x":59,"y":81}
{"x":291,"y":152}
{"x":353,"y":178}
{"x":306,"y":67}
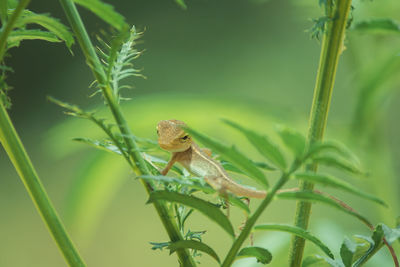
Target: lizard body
{"x":198,"y":161}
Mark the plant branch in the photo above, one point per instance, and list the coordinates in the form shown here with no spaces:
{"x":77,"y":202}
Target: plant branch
{"x":10,"y":26}
{"x":252,"y":220}
{"x":139,"y":166}
{"x":22,"y":163}
{"x":332,"y":46}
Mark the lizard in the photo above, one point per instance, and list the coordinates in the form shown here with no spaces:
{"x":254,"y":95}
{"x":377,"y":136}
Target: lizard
{"x":198,"y":161}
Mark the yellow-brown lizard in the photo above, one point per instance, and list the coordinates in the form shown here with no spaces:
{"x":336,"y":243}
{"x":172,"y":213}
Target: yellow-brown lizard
{"x":172,"y":137}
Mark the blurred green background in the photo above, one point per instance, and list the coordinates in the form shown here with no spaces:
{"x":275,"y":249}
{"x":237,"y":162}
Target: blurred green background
{"x":250,"y":61}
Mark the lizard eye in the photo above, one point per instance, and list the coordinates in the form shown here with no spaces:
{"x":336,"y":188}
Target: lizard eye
{"x":186,"y":137}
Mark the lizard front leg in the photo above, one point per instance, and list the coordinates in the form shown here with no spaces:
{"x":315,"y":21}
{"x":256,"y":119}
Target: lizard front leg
{"x":170,"y":163}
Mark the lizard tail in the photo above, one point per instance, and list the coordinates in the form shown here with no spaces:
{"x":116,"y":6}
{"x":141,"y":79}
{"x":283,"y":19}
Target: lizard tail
{"x":243,"y":191}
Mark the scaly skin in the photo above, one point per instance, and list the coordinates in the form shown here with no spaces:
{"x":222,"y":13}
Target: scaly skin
{"x":198,"y":161}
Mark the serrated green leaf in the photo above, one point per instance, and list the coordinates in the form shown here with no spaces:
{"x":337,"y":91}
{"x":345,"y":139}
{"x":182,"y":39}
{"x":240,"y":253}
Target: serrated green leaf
{"x":376,"y":243}
{"x":391,"y":235}
{"x":299,"y":232}
{"x":17,"y":36}
{"x":332,"y":146}
{"x":207,"y":208}
{"x":261,"y":254}
{"x":338,"y":163}
{"x":104,"y":11}
{"x":159,"y":245}
{"x":331,"y":181}
{"x":262,"y":143}
{"x":377,"y":25}
{"x":103,"y":145}
{"x":53,"y":25}
{"x":193,"y":244}
{"x":181,"y":3}
{"x":236,"y":201}
{"x":193,"y":182}
{"x":294,"y":140}
{"x":233,"y":155}
{"x":321,"y":261}
{"x":316,"y":261}
{"x":347,"y":251}
{"x":363,"y":244}
{"x":317,"y":197}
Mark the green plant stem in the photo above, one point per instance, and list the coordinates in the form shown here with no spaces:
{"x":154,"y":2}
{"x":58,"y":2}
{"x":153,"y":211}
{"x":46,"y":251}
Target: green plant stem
{"x":252,"y":220}
{"x":139,"y":165}
{"x":22,"y":163}
{"x":20,"y":159}
{"x":10,"y":25}
{"x":332,"y":46}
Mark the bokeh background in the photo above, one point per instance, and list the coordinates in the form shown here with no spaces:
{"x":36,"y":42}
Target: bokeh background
{"x":250,"y":61}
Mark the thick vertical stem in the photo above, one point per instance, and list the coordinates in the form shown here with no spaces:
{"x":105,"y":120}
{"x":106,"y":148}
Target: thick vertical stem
{"x":17,"y":154}
{"x":139,"y":166}
{"x":22,"y":163}
{"x":332,"y":46}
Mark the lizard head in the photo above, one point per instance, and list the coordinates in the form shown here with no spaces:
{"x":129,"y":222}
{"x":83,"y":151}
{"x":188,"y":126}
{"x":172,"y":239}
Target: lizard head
{"x":171,"y":137}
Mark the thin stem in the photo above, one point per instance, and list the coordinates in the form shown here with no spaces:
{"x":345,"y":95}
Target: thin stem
{"x":22,"y":163}
{"x":332,"y":46}
{"x":139,"y":166}
{"x":10,"y":26}
{"x":252,"y":220}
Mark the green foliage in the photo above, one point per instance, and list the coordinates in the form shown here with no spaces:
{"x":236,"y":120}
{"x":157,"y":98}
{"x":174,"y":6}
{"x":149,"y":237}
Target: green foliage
{"x":105,"y":12}
{"x":377,"y":25}
{"x":296,"y":231}
{"x":334,"y":182}
{"x":318,"y":29}
{"x":55,"y":30}
{"x":206,"y":208}
{"x":331,"y":146}
{"x":193,"y":244}
{"x":338,"y":163}
{"x":357,"y":252}
{"x":309,"y":196}
{"x":107,"y":128}
{"x":17,"y":36}
{"x":14,"y":34}
{"x":320,"y":261}
{"x":265,"y":146}
{"x":293,"y":140}
{"x":348,"y":251}
{"x":159,"y":245}
{"x":261,"y":254}
{"x":51,"y":24}
{"x":177,"y":192}
{"x":391,"y":235}
{"x":118,"y":59}
{"x":233,"y":155}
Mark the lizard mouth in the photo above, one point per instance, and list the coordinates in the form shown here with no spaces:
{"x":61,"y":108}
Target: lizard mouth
{"x":172,"y":148}
{"x":165,"y":147}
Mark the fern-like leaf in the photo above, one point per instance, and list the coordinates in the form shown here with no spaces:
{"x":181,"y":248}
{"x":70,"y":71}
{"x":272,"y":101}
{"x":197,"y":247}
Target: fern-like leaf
{"x":117,"y":58}
{"x":74,"y":110}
